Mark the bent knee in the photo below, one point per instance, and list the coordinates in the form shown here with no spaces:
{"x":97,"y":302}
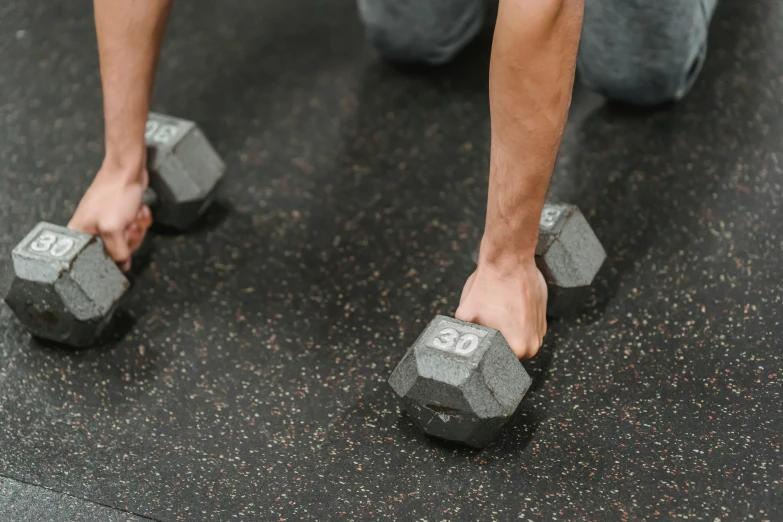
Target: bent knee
{"x":642,"y":55}
{"x":643,"y":82}
{"x":425,"y":31}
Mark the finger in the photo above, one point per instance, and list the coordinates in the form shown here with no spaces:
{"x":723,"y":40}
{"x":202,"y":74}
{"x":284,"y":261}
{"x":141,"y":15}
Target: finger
{"x":140,"y":228}
{"x":529,"y":352}
{"x":464,"y":314}
{"x":530,"y":347}
{"x":117,"y":246}
{"x":136,"y":237}
{"x":467,"y":287}
{"x":144,"y":217}
{"x":132,"y":234}
{"x":518,"y":347}
{"x":134,"y":242}
{"x":79,"y":225}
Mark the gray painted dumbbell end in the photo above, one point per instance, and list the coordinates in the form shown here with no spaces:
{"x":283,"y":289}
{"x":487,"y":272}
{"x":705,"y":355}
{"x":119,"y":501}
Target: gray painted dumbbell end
{"x":63,"y":285}
{"x":185,"y":170}
{"x":460,"y":381}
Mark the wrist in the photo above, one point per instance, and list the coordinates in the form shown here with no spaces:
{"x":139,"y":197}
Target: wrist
{"x":128,"y":163}
{"x":126,"y":145}
{"x":123,"y":169}
{"x":505,"y":254}
{"x":511,"y":231}
{"x":517,"y":190}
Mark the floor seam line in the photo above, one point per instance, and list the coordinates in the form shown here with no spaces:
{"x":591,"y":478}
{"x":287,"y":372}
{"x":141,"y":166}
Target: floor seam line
{"x":79,"y":498}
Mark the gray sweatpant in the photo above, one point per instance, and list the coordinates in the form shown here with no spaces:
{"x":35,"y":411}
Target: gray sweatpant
{"x":643,"y":52}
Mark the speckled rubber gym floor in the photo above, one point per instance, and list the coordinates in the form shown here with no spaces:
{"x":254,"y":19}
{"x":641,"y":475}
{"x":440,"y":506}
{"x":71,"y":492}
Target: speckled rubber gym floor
{"x":247,"y":380}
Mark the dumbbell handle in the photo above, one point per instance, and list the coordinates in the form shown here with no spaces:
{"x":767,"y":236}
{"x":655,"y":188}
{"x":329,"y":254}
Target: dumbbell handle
{"x":149,"y":198}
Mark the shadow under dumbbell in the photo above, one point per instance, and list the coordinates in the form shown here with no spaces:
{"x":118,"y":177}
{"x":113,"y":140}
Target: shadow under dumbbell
{"x":411,"y":431}
{"x":601,"y":292}
{"x":519,"y":430}
{"x":121,"y":325}
{"x":141,"y":258}
{"x":515,"y":435}
{"x":212,"y":218}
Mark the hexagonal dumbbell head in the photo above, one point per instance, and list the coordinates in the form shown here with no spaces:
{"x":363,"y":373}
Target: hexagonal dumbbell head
{"x":569,"y":255}
{"x":63,"y":285}
{"x":460,"y":381}
{"x":184,"y":169}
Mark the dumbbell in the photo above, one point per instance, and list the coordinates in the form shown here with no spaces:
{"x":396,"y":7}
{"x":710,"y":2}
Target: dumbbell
{"x":184,"y":169}
{"x":63,"y":286}
{"x":460,"y":381}
{"x":568,"y":254}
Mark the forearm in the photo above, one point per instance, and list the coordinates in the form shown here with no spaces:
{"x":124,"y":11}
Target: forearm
{"x":130,"y":33}
{"x":531,"y":80}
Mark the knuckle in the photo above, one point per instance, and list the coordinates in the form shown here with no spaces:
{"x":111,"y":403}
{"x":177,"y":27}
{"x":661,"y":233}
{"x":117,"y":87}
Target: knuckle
{"x":110,"y":229}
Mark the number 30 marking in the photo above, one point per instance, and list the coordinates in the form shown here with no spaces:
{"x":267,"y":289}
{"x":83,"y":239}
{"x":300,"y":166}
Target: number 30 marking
{"x":52,"y":244}
{"x":449,"y":340}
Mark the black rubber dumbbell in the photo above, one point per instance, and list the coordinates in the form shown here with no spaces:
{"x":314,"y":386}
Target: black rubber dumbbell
{"x":63,"y":286}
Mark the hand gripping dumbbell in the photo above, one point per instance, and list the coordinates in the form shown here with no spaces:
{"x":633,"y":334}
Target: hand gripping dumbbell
{"x":568,"y":254}
{"x":63,"y":286}
{"x":461,"y":381}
